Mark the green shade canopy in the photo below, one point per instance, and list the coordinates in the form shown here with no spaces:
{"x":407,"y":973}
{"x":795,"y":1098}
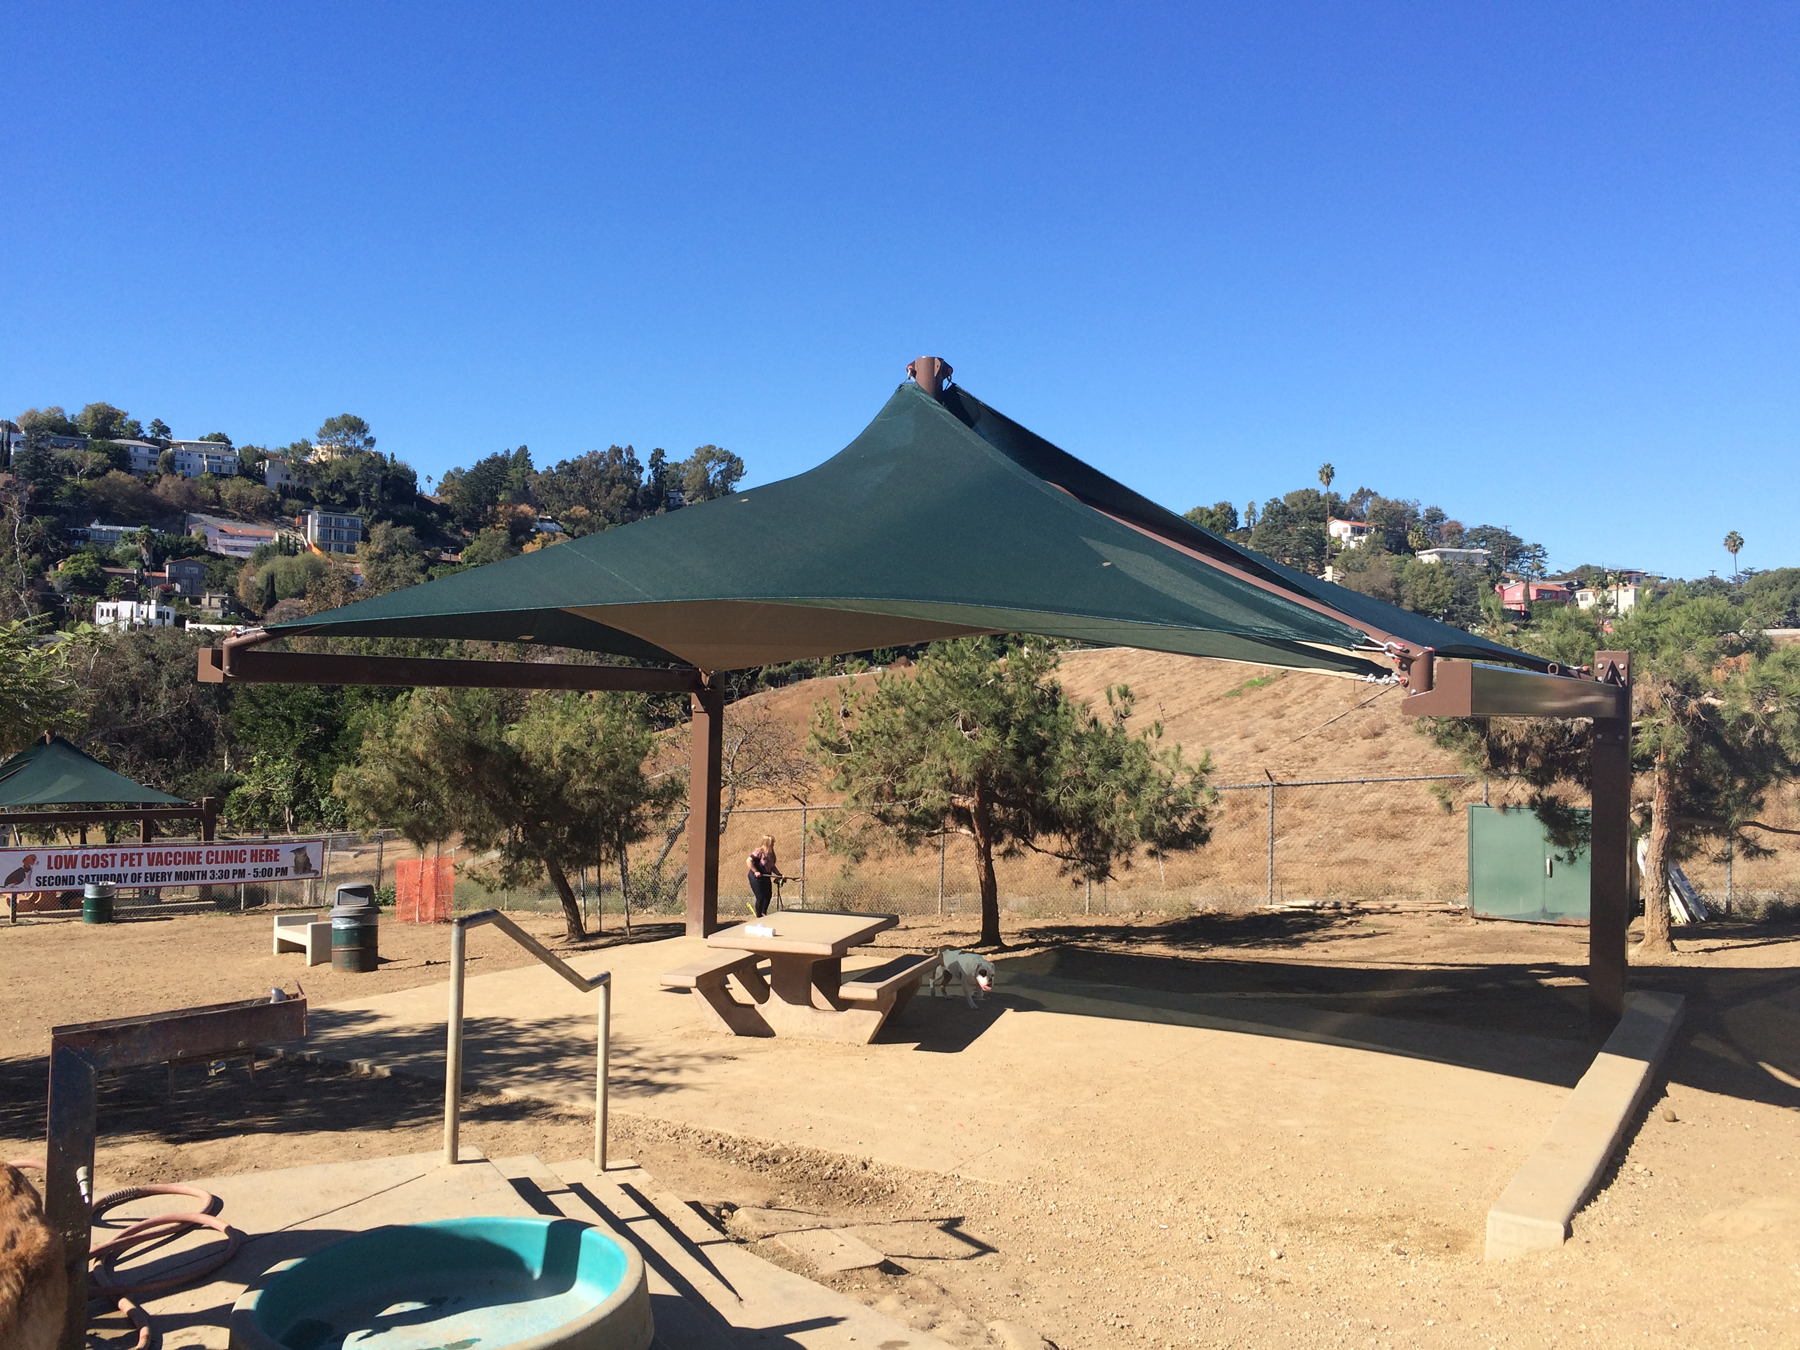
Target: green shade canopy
{"x":55,"y":773}
{"x":942,"y":518}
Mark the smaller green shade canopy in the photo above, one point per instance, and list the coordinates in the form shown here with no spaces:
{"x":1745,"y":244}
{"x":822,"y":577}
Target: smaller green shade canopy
{"x":55,"y":773}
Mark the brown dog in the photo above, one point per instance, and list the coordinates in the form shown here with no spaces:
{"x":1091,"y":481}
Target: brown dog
{"x":34,"y":1288}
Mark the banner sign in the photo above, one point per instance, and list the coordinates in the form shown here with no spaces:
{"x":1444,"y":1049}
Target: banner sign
{"x":64,"y":867}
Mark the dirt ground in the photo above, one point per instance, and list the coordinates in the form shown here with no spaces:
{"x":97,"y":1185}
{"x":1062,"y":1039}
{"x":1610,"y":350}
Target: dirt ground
{"x":1694,"y":1239}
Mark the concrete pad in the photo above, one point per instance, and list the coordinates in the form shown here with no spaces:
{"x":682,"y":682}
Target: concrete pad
{"x":1533,"y":1212}
{"x":1049,"y":1073}
{"x":288,"y":1213}
{"x":831,"y":1250}
{"x":911,"y":1239}
{"x":684,"y":1319}
{"x":760,"y":1302}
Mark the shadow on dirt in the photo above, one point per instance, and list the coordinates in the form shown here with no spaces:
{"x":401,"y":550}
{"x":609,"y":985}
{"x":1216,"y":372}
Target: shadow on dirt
{"x":286,"y":1097}
{"x":1740,"y":1036}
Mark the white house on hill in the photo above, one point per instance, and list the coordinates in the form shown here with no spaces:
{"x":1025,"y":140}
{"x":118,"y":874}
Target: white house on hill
{"x":193,"y":458}
{"x":132,"y":614}
{"x":1453,"y":555}
{"x":333,"y":531}
{"x":1615,"y":599}
{"x":1349,"y":533}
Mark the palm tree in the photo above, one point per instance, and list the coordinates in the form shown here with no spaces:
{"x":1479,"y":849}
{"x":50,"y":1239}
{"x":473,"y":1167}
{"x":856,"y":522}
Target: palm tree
{"x":1733,"y":542}
{"x":1326,"y":474}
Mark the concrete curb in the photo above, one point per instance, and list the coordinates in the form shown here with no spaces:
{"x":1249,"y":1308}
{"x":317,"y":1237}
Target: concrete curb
{"x":1533,"y":1213}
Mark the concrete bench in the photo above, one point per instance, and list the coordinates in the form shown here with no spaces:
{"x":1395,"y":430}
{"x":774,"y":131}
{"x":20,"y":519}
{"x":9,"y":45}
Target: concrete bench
{"x":304,"y":933}
{"x":707,"y":977}
{"x":891,"y":985}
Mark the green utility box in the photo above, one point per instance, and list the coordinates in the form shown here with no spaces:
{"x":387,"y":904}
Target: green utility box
{"x":1517,"y":873}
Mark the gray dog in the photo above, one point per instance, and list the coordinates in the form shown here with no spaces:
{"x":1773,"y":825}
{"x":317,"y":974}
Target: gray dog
{"x":974,"y":973}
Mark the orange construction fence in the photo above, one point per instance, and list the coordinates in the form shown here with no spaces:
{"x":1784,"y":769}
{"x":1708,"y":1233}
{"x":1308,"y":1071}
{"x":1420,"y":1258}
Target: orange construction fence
{"x":423,"y":889}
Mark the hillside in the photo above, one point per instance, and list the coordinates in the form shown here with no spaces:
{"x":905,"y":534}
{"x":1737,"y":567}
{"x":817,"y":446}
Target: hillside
{"x":1346,"y":841}
{"x":1250,"y":718}
{"x":1362,"y":841}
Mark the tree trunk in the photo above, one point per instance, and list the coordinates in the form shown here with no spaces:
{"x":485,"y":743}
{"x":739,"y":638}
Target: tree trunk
{"x":575,"y":930}
{"x":1656,"y":865}
{"x":982,"y":828}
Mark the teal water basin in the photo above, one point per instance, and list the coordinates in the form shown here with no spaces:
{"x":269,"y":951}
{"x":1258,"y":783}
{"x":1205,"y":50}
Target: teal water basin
{"x":458,"y":1284}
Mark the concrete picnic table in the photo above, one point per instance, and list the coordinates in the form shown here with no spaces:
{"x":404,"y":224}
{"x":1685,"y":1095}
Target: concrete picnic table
{"x":805,"y":993}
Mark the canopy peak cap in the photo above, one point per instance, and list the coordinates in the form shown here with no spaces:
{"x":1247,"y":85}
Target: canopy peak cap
{"x":931,"y":373}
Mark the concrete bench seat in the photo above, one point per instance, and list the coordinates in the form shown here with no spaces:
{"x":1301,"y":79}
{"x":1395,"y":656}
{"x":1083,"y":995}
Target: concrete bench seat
{"x":707,"y":977}
{"x":714,"y":966}
{"x":891,"y":985}
{"x":303,"y":933}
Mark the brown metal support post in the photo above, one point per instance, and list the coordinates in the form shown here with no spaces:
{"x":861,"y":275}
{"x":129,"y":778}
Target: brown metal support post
{"x":707,"y":752}
{"x":209,"y":818}
{"x":1609,"y":915}
{"x":146,"y":835}
{"x":69,"y":1178}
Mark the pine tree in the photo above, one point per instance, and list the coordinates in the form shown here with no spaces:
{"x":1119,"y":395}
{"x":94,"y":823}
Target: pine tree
{"x":979,"y":740}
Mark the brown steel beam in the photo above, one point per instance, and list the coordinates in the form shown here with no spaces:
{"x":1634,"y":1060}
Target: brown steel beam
{"x":706,"y":750}
{"x":142,"y":813}
{"x":221,"y":666}
{"x":1609,"y":874}
{"x":215,"y":1029}
{"x":1476,"y":689}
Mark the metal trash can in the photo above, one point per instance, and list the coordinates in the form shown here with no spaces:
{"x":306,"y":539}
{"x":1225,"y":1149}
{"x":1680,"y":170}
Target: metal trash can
{"x":97,"y":902}
{"x":354,"y":930}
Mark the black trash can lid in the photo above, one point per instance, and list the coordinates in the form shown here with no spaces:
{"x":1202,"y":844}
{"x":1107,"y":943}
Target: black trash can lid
{"x":354,"y":900}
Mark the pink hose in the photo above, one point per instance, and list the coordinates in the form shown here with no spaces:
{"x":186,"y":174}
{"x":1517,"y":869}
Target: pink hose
{"x":150,"y":1232}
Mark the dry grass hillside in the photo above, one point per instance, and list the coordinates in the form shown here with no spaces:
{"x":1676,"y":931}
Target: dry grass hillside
{"x":1254,"y":720}
{"x":1251,"y":719}
{"x":1358,"y":841}
{"x":1387,"y":841}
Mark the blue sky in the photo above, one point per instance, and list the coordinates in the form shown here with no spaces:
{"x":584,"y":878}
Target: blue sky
{"x":1534,"y":263}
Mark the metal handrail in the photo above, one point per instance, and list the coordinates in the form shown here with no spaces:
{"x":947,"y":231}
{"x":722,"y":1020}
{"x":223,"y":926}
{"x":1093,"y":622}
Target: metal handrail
{"x":453,"y":1064}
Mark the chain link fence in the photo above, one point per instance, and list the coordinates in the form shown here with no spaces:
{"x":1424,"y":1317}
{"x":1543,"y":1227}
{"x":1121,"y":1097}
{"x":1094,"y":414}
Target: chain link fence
{"x":1397,"y":840}
{"x":1312,"y":842}
{"x":1361,"y":839}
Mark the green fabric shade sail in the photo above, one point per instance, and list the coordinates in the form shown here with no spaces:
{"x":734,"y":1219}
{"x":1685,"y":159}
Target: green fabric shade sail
{"x":55,"y":773}
{"x":942,"y":518}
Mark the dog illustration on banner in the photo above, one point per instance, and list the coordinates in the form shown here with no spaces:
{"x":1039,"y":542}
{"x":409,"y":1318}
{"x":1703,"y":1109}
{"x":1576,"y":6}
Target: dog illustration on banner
{"x":20,"y":876}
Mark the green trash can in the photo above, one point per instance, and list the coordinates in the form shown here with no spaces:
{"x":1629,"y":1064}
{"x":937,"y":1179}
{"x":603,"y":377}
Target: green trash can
{"x":97,"y":902}
{"x":354,"y":929}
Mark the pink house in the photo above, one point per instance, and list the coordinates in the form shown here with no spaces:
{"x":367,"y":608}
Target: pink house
{"x":1519,"y":596}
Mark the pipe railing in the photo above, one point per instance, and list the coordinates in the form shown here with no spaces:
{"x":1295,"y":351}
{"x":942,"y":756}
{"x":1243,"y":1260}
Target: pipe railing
{"x":453,"y":1063}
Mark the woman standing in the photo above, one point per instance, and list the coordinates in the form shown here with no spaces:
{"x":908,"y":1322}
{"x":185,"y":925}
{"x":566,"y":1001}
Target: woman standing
{"x":762,"y":874}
